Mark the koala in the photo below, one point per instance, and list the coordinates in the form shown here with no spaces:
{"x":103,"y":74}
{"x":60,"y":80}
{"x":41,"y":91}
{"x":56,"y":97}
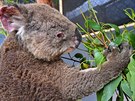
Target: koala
{"x":30,"y":64}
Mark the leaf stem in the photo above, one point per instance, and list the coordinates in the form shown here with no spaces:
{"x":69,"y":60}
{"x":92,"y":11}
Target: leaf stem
{"x":100,"y":39}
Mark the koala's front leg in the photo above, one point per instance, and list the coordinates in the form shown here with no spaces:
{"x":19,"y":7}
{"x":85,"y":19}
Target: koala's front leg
{"x":79,"y":83}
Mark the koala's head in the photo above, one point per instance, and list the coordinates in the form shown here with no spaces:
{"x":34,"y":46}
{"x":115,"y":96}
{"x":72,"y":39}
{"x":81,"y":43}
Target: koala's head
{"x":42,"y":30}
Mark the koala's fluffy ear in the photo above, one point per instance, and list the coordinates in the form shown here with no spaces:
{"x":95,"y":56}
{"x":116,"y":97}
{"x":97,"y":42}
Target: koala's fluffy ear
{"x":11,"y":18}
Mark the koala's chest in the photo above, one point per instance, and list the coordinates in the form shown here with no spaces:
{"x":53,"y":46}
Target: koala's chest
{"x":31,"y":71}
{"x":29,"y":81}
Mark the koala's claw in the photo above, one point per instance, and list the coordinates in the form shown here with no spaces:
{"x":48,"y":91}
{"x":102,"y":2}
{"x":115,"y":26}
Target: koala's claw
{"x":114,"y":51}
{"x":125,"y":45}
{"x":111,"y":49}
{"x":126,"y":49}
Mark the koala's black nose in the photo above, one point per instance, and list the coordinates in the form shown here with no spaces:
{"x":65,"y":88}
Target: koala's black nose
{"x":78,"y":35}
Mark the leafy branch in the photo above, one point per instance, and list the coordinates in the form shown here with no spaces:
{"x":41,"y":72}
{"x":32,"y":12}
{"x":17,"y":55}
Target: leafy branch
{"x":98,"y":39}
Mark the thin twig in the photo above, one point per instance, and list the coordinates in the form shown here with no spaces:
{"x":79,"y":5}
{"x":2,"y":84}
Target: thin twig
{"x":99,"y":39}
{"x":71,"y":59}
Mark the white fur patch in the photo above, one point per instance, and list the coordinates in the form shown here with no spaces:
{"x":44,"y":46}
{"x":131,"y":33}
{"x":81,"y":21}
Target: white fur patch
{"x":88,"y":70}
{"x":21,"y":32}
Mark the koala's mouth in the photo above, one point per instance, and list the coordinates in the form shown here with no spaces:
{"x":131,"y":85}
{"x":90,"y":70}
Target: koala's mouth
{"x":70,"y":49}
{"x":74,"y":46}
{"x":76,"y":40}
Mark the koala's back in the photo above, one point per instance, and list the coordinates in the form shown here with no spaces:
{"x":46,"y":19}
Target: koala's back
{"x":20,"y":80}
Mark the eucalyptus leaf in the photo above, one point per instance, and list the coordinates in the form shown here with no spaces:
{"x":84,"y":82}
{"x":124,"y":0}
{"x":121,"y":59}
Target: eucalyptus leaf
{"x":131,"y":67}
{"x":99,"y":94}
{"x":84,"y":66}
{"x":110,"y":88}
{"x":92,"y":24}
{"x":130,"y":13}
{"x":99,"y":57}
{"x":128,"y":75}
{"x":88,"y":46}
{"x":117,"y":30}
{"x":118,"y":40}
{"x":96,"y":41}
{"x":125,"y":87}
{"x":130,"y":37}
{"x":132,"y":85}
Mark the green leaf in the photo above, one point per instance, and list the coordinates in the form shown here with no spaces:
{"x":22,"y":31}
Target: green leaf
{"x":118,"y":40}
{"x":130,"y":37}
{"x":99,"y":57}
{"x":131,"y":67}
{"x":128,"y":75}
{"x":88,"y":46}
{"x":117,"y":30}
{"x":130,"y":13}
{"x":125,"y":87}
{"x":84,"y":66}
{"x":96,"y":41}
{"x":110,"y":88}
{"x":99,"y":94}
{"x":78,"y":55}
{"x":92,"y":24}
{"x":132,"y":85}
{"x":10,"y":1}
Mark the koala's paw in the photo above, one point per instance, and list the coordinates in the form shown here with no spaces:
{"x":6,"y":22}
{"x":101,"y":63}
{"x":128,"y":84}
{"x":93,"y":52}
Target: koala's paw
{"x":120,"y":52}
{"x":125,"y":46}
{"x":111,"y":51}
{"x":126,"y":50}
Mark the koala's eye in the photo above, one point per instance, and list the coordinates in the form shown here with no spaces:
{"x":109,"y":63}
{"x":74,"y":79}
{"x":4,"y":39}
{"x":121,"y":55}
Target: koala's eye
{"x":60,"y":35}
{"x":53,"y":26}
